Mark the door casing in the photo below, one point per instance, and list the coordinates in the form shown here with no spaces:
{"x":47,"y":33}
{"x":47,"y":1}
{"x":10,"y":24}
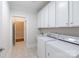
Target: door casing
{"x":13,"y":30}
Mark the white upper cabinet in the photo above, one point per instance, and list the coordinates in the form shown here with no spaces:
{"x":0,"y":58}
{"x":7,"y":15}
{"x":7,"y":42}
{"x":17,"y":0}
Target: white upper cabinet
{"x":46,"y":16}
{"x":59,"y":14}
{"x":74,"y":18}
{"x":51,"y":22}
{"x":70,"y":14}
{"x":39,"y":20}
{"x":62,"y":14}
{"x":43,"y":18}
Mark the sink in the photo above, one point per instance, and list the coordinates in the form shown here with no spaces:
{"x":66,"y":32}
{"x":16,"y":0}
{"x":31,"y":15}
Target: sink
{"x":71,"y":40}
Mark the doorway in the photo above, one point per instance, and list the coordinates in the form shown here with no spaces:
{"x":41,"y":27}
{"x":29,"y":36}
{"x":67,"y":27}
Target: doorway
{"x":19,"y":30}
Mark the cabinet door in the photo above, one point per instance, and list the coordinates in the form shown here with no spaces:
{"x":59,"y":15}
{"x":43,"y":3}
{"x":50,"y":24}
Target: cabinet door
{"x":39,"y":20}
{"x":41,"y":48}
{"x":38,"y":48}
{"x":45,"y":17}
{"x":70,"y":14}
{"x":75,"y":13}
{"x":62,"y":14}
{"x":51,"y":14}
{"x":54,"y":52}
{"x":42,"y":18}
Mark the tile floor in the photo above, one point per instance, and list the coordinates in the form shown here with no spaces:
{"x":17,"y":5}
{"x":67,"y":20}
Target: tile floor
{"x":19,"y":51}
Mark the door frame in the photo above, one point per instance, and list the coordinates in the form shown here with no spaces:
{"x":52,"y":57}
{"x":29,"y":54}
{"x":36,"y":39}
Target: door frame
{"x":25,"y":30}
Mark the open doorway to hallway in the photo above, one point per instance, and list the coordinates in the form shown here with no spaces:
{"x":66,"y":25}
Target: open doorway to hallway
{"x":18,"y":30}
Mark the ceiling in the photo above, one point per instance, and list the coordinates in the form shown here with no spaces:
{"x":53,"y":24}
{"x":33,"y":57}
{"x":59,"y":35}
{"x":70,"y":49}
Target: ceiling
{"x":27,"y":6}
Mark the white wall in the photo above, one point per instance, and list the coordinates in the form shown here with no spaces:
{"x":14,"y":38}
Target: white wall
{"x":6,"y":25}
{"x":1,"y":24}
{"x":31,"y":29}
{"x":31,"y":19}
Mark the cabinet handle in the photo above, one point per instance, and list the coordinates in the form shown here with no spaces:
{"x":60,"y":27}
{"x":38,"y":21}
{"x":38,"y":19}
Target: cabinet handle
{"x":72,"y":23}
{"x":48,"y":54}
{"x":67,"y":23}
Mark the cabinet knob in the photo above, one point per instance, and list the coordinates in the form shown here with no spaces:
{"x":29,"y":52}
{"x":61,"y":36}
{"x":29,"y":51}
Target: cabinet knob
{"x":72,"y":23}
{"x":48,"y":54}
{"x":67,"y":23}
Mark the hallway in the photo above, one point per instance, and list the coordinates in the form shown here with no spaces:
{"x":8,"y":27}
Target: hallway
{"x":19,"y":51}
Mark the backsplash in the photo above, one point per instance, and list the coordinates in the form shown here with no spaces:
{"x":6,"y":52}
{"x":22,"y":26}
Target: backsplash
{"x":73,"y":31}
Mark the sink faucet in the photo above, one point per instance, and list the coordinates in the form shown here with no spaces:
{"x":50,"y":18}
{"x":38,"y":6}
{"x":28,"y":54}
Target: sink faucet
{"x":1,"y":49}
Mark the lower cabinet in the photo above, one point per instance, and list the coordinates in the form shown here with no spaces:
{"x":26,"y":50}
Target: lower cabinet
{"x":40,"y":48}
{"x":53,"y":52}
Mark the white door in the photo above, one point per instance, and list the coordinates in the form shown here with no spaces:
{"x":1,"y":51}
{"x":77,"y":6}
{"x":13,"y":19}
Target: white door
{"x":51,"y":14}
{"x":75,"y":13}
{"x":62,"y":14}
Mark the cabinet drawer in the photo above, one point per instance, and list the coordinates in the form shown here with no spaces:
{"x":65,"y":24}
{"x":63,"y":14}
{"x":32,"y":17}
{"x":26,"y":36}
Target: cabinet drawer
{"x":53,"y":52}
